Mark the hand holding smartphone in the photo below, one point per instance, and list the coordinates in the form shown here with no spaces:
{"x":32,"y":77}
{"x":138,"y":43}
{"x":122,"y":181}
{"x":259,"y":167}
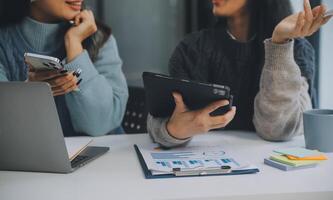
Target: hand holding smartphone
{"x":50,"y":69}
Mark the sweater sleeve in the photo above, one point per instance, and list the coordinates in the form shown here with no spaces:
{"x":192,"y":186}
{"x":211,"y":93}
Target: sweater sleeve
{"x":283,"y":95}
{"x":99,"y":106}
{"x":3,"y":75}
{"x":159,"y":133}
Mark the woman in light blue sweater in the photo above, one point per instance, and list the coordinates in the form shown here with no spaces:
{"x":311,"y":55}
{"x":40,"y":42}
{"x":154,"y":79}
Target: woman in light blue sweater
{"x":43,"y":27}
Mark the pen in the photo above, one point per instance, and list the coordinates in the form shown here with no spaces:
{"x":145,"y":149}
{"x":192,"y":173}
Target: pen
{"x":224,"y":167}
{"x":202,"y":171}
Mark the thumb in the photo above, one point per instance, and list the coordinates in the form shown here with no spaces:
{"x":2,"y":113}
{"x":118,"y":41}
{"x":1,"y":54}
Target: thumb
{"x":180,"y":105}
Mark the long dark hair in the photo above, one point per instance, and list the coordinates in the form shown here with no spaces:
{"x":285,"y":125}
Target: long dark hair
{"x":264,"y":17}
{"x":14,"y":11}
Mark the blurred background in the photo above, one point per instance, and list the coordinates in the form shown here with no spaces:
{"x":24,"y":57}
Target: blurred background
{"x":147,"y":32}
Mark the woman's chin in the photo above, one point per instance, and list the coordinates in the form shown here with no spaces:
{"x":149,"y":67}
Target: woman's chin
{"x":70,"y":15}
{"x":218,"y":13}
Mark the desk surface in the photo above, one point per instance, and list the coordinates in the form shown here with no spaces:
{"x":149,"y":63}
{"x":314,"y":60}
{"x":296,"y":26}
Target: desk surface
{"x":118,"y":175}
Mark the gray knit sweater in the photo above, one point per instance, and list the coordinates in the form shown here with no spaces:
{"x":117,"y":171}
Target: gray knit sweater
{"x":282,"y":97}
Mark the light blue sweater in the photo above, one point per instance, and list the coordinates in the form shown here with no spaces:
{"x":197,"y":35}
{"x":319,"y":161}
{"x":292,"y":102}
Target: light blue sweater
{"x":98,"y":108}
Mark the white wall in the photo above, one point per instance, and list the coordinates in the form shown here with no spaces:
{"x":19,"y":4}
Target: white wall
{"x":326,"y":63}
{"x":147,"y":31}
{"x":297,"y":4}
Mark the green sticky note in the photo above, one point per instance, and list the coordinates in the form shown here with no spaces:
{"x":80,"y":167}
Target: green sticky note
{"x":298,"y":152}
{"x":294,"y":163}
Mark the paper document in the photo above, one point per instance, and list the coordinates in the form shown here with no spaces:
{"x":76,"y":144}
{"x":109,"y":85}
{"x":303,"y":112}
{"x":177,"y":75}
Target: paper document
{"x":161,"y":161}
{"x":75,"y":145}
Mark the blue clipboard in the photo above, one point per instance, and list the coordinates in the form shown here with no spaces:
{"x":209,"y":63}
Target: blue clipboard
{"x":149,"y":175}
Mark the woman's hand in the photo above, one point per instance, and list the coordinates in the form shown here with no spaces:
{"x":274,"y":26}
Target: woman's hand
{"x":61,"y":84}
{"x":184,"y":124}
{"x":301,"y":24}
{"x":84,"y":27}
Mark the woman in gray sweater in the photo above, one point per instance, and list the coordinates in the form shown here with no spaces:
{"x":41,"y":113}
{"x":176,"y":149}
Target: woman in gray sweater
{"x":271,"y":79}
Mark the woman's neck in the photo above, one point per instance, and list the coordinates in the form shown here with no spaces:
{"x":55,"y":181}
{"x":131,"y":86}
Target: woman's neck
{"x":238,"y":26}
{"x":39,"y":16}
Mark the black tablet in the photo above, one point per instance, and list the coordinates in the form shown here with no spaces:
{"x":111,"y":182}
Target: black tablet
{"x":196,"y":95}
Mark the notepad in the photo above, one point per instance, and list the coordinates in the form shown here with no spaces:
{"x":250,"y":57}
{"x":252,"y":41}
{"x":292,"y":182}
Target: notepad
{"x":286,"y":167}
{"x":75,"y":145}
{"x":298,"y":152}
{"x":295,"y":163}
{"x":319,"y":157}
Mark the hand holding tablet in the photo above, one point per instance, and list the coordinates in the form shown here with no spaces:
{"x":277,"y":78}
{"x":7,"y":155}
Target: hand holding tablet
{"x":192,"y":107}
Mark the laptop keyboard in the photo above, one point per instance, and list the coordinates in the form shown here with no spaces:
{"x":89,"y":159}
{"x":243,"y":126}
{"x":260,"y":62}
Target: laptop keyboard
{"x":78,"y":160}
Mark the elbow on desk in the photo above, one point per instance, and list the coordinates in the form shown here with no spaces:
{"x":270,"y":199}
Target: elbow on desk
{"x":100,"y":126}
{"x":276,"y":135}
{"x":109,"y":120}
{"x":99,"y":130}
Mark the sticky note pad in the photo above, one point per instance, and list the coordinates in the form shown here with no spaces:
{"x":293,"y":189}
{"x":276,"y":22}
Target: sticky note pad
{"x":319,"y":157}
{"x":285,"y":167}
{"x":298,"y":152}
{"x":294,"y":163}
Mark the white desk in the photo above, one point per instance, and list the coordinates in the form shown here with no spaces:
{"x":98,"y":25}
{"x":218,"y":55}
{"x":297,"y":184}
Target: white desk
{"x":124,"y":180}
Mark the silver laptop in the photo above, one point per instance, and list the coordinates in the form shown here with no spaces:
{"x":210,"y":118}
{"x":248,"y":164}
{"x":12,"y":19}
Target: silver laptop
{"x":31,"y":137}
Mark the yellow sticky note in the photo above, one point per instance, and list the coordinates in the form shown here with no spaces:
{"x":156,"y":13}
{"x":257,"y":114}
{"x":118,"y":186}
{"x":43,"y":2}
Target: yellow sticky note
{"x":319,"y":157}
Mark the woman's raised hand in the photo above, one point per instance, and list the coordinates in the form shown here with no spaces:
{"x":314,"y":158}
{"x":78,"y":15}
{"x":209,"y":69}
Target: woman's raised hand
{"x":84,"y":26}
{"x":301,"y":24}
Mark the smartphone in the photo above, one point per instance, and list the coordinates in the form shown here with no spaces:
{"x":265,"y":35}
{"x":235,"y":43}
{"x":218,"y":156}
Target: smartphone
{"x":43,"y":63}
{"x":328,"y":13}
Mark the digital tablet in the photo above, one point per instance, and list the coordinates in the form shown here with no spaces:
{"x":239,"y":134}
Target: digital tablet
{"x":196,"y":95}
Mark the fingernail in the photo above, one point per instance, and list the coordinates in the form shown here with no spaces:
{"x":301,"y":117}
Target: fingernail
{"x":63,"y":71}
{"x":78,"y":83}
{"x":77,"y":73}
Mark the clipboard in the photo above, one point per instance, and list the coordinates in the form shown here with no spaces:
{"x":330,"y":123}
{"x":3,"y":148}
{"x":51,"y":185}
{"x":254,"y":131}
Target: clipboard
{"x":148,"y":175}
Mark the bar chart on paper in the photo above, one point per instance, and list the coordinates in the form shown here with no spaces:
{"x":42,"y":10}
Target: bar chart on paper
{"x":166,"y":161}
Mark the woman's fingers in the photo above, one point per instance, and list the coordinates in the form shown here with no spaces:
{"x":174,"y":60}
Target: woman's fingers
{"x":180,"y":105}
{"x":69,"y":89}
{"x":308,"y":17}
{"x":318,"y":21}
{"x":85,"y":15}
{"x":30,"y":69}
{"x":326,"y":19}
{"x":43,"y":75}
{"x":62,"y":83}
{"x":317,"y":11}
{"x":59,"y":81}
{"x":77,"y":20}
{"x":222,"y":121}
{"x":310,"y":20}
{"x":300,"y":23}
{"x":214,"y":106}
{"x":66,"y":88}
